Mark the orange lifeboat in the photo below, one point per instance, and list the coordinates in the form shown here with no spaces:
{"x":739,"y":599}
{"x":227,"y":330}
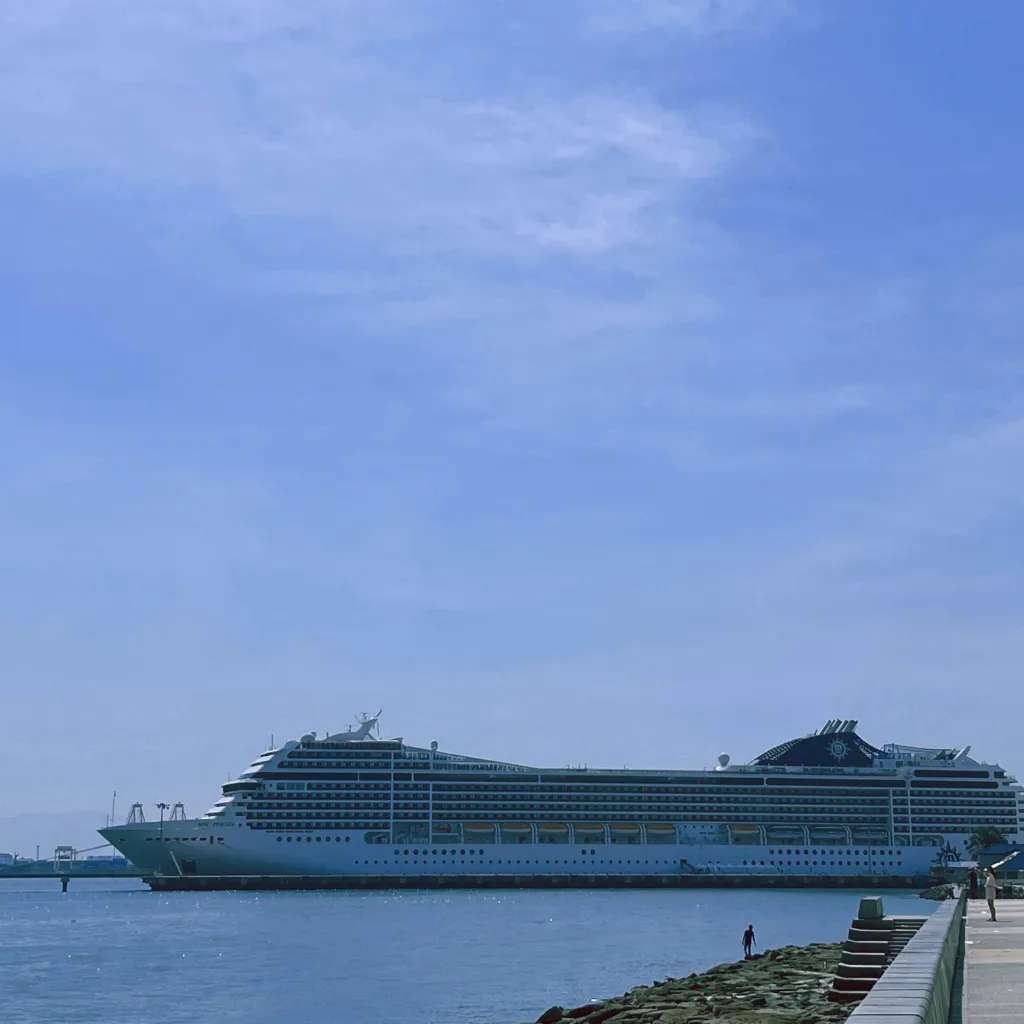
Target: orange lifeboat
{"x":553,"y":832}
{"x":588,"y":832}
{"x":478,"y":831}
{"x":661,"y":833}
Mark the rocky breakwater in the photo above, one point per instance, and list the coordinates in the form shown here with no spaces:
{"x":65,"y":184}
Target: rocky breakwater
{"x":783,"y":986}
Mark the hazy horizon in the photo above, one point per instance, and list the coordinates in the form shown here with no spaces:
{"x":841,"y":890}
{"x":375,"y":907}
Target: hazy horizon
{"x":579,"y":383}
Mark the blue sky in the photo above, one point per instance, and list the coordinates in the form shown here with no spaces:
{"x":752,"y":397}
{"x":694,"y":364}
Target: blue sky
{"x":591,"y":382}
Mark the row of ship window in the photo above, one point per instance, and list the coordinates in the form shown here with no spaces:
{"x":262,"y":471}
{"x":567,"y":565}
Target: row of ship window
{"x":828,"y":790}
{"x":474,"y":800}
{"x":330,"y":759}
{"x":645,"y":799}
{"x":555,"y":819}
{"x":538,"y":862}
{"x":184,"y":839}
{"x":823,"y":821}
{"x":293,"y":823}
{"x":973,"y":814}
{"x":374,"y":800}
{"x":370,"y":790}
{"x":319,"y":839}
{"x":878,"y":862}
{"x":788,"y":863}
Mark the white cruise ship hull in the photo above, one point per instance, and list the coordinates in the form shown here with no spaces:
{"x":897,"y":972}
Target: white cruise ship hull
{"x":191,"y":850}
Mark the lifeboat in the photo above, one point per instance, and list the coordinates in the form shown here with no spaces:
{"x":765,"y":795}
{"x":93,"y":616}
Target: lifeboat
{"x":785,"y":835}
{"x":749,"y":834}
{"x":826,"y":835}
{"x":661,"y":833}
{"x":625,"y":832}
{"x":871,"y":836}
{"x":478,"y":832}
{"x":588,"y":832}
{"x":553,"y":833}
{"x":516,"y":832}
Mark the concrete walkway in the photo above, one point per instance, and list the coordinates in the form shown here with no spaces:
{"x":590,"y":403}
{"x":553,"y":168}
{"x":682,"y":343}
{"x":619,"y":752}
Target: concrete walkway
{"x":994,"y":967}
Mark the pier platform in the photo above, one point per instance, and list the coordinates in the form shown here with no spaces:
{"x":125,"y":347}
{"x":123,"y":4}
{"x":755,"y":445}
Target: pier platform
{"x":994,"y":963}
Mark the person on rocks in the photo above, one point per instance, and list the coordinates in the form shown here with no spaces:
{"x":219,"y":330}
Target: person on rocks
{"x":748,"y":942}
{"x":990,"y":892}
{"x":972,"y":884}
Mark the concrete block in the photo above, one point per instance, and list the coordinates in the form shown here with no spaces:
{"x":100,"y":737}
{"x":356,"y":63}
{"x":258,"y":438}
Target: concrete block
{"x":886,"y":1018}
{"x":871,"y":908}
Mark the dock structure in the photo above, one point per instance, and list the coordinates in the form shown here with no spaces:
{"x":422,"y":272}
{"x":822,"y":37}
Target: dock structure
{"x":873,"y":943}
{"x":66,"y":865}
{"x":64,"y":875}
{"x":920,"y":984}
{"x":994,"y":963}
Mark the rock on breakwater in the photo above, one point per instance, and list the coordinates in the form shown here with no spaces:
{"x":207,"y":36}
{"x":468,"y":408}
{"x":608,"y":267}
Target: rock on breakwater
{"x":789,"y":985}
{"x":937,"y":892}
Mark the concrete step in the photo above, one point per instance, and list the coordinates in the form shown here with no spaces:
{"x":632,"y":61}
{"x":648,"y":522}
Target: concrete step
{"x":845,"y":970}
{"x":857,"y":946}
{"x":853,"y":984}
{"x":869,"y":959}
{"x":845,"y":997}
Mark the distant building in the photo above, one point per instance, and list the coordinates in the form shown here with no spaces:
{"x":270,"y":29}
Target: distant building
{"x":6,"y":858}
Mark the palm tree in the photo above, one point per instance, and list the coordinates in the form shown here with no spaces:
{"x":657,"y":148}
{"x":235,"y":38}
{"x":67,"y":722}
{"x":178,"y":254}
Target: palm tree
{"x":982,"y":838}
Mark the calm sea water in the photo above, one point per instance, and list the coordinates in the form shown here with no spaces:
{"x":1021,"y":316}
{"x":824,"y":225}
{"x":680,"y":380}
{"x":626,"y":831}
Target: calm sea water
{"x":111,"y":952}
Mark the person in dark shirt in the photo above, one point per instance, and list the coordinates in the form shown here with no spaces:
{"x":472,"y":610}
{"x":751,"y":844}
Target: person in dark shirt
{"x":972,"y":884}
{"x":748,"y":941}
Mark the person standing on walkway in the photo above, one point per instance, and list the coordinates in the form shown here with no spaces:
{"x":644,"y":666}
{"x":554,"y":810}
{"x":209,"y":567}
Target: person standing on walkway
{"x":748,"y":941}
{"x":972,"y":884}
{"x":990,"y":892}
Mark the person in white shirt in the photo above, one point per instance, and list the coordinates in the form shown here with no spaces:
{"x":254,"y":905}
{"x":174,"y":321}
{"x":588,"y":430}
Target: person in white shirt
{"x":990,"y":892}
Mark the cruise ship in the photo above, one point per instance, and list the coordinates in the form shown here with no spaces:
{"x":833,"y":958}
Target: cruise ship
{"x":353,"y":809}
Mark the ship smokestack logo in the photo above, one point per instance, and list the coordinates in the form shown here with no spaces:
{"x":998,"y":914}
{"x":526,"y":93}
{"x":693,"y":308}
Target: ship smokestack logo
{"x":838,"y":749}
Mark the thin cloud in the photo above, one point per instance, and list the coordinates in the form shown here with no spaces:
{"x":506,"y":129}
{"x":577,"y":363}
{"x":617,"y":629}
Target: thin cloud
{"x":698,"y":18}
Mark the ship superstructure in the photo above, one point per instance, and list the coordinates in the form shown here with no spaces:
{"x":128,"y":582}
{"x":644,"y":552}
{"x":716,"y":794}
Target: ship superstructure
{"x":352,"y":804}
